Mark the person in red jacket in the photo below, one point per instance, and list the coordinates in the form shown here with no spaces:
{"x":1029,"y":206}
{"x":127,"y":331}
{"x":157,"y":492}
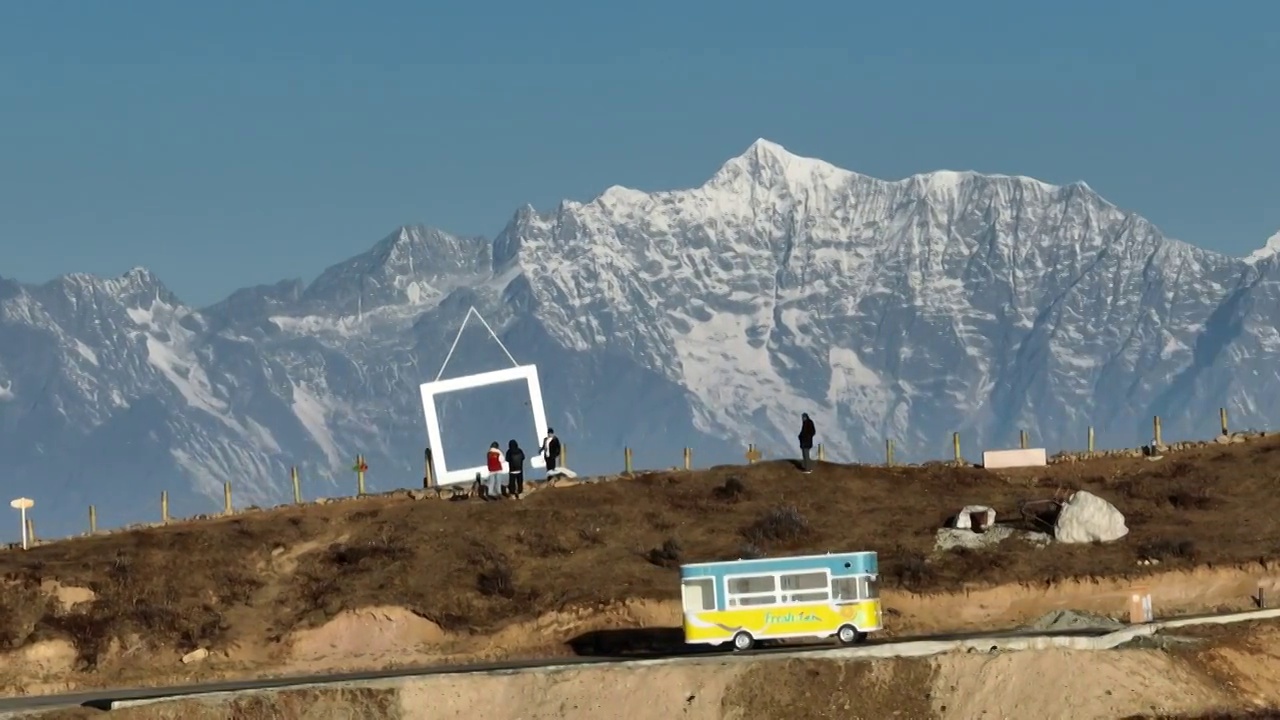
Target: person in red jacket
{"x":494,"y":464}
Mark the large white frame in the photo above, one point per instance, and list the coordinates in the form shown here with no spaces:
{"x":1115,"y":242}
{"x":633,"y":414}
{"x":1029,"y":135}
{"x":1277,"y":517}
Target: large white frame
{"x":528,"y":373}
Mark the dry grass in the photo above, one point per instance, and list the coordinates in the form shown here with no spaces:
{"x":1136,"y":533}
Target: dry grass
{"x":475,"y":566}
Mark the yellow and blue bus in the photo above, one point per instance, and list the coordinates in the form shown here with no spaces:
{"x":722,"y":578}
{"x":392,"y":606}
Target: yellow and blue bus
{"x":742,"y":601}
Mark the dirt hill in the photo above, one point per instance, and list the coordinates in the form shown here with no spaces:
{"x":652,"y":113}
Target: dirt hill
{"x":471,"y":577}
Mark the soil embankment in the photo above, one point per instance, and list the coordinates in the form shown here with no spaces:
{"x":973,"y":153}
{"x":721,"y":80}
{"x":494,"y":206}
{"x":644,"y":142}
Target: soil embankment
{"x":1218,"y":672}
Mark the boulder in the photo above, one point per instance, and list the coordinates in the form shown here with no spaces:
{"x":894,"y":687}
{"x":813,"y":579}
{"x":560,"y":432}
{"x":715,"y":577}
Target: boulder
{"x":1088,"y":518}
{"x":964,"y":521}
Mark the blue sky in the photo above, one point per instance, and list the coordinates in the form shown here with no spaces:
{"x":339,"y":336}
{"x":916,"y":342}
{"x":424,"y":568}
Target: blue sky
{"x":231,"y":143}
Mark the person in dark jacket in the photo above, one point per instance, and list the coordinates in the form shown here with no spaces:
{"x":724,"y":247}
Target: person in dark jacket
{"x":515,"y":470}
{"x":807,"y":431}
{"x":551,"y":451}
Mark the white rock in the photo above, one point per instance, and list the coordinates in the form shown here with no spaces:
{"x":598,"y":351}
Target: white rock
{"x":1088,"y":518}
{"x":194,"y":655}
{"x":964,"y":520}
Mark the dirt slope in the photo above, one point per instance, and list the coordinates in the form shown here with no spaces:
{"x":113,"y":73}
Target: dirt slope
{"x":1167,"y":678}
{"x":248,"y":587}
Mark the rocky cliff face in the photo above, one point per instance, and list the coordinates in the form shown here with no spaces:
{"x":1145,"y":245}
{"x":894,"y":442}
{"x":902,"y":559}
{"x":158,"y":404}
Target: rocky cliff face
{"x":709,"y":317}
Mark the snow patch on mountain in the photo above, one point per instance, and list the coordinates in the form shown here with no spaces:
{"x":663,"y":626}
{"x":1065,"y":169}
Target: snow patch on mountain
{"x":1269,"y":250}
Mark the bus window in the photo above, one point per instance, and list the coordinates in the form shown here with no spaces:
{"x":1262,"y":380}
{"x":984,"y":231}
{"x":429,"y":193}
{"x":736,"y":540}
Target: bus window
{"x":699,"y":595}
{"x":869,"y":585}
{"x":809,"y":597}
{"x":758,"y":600}
{"x":751,"y":585}
{"x":805,"y":581}
{"x":845,"y":589}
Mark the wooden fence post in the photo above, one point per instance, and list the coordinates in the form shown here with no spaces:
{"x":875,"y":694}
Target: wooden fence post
{"x":428,"y":472}
{"x":1157,"y":436}
{"x":297,"y":485}
{"x":31,"y":530}
{"x":1222,"y":420}
{"x":626,"y":459}
{"x":93,"y":520}
{"x":564,"y":455}
{"x":226,"y":498}
{"x":955,"y":446}
{"x":688,"y":458}
{"x":360,"y":467}
{"x":888,"y":452}
{"x":1022,"y":439}
{"x":164,"y":507}
{"x":1090,"y":439}
{"x":822,"y":453}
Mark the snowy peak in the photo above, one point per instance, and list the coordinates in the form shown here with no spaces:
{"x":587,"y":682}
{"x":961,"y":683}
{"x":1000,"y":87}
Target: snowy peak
{"x":411,"y":266}
{"x":766,"y":163}
{"x":137,"y":288}
{"x":1268,"y":250}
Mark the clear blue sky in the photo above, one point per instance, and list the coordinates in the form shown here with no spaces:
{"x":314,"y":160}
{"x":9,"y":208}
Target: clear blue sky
{"x":230,"y":143}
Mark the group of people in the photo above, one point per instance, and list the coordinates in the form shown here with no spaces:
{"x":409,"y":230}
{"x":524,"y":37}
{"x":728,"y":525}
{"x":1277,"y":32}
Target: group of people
{"x":511,"y":463}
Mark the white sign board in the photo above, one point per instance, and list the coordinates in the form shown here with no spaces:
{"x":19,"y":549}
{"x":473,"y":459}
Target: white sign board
{"x":528,"y":373}
{"x":1028,"y":457}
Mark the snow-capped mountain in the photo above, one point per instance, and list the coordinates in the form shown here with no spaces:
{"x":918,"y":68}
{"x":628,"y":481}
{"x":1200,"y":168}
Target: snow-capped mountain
{"x":709,"y":317}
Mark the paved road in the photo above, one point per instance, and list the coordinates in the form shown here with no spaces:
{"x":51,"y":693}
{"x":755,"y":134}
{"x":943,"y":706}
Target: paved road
{"x":102,"y":699}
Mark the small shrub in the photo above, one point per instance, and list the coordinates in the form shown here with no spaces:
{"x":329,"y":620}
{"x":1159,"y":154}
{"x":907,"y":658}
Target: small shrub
{"x":748,"y":551}
{"x":497,"y":580}
{"x":909,"y":569}
{"x":659,"y":522}
{"x":1191,"y":498}
{"x":732,"y":491}
{"x":667,"y":556}
{"x":1168,"y":549}
{"x":542,"y":543}
{"x":591,"y":535}
{"x":781,"y":524}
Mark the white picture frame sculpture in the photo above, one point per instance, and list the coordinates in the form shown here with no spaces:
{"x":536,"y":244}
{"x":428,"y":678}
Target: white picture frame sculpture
{"x":529,"y":373}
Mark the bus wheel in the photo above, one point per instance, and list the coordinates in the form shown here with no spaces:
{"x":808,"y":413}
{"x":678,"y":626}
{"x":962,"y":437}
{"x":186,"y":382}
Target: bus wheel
{"x":850,"y":635}
{"x":743,"y":641}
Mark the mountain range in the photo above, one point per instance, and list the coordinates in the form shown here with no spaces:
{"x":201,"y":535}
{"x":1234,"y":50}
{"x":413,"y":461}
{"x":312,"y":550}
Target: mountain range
{"x":709,"y":317}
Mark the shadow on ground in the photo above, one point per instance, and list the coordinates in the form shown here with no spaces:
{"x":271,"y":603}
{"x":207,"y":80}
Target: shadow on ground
{"x":636,"y":642}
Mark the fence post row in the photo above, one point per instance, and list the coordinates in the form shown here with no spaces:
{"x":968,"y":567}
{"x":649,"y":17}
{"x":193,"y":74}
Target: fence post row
{"x":753,"y":455}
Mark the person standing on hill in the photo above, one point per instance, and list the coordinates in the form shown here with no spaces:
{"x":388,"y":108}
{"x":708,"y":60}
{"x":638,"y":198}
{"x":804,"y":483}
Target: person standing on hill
{"x":807,"y":432}
{"x":494,"y":465}
{"x":551,"y":451}
{"x":515,"y":470}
